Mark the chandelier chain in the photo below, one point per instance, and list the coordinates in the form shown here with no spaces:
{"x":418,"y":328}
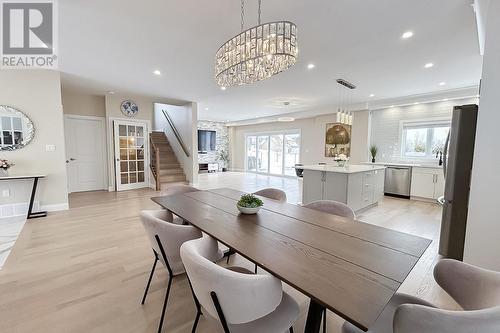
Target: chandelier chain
{"x":260,"y":2}
{"x":242,"y":14}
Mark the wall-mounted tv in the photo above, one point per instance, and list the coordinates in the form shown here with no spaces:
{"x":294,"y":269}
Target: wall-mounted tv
{"x":206,"y":141}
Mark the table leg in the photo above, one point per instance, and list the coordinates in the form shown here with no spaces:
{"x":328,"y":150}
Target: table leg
{"x":314,"y":315}
{"x":32,"y":215}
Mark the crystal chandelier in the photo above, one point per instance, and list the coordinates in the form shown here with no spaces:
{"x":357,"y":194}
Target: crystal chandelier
{"x":256,"y":53}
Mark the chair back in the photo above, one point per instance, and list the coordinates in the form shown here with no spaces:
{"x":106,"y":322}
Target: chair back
{"x":473,"y":288}
{"x":171,"y":236}
{"x":242,"y":297}
{"x":272,"y":193}
{"x":332,"y":207}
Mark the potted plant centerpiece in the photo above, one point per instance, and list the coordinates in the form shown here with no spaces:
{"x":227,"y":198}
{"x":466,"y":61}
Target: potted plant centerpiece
{"x":373,"y":152}
{"x":4,"y":167}
{"x":249,"y":204}
{"x":341,"y":160}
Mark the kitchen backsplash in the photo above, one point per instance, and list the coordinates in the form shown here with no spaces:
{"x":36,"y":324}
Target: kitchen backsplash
{"x":385,"y":124}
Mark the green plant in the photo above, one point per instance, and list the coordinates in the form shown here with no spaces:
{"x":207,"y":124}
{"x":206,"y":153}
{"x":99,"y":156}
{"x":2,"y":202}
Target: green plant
{"x":224,"y":156}
{"x":250,"y":201}
{"x":373,"y":151}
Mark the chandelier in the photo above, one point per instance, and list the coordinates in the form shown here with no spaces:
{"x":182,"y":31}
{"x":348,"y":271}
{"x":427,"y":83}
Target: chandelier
{"x":257,"y":53}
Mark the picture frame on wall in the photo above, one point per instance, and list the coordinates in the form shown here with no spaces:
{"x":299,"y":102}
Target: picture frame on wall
{"x":337,"y":139}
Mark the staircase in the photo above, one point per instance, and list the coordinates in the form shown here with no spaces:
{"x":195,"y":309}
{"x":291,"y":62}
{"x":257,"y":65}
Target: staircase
{"x":164,"y":164}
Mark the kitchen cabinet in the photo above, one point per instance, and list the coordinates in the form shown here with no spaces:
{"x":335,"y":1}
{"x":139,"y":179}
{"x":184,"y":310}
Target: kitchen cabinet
{"x":427,"y":183}
{"x":359,"y":187}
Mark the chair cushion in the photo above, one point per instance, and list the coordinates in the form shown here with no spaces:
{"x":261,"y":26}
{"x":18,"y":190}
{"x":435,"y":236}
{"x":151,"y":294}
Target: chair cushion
{"x":280,"y":320}
{"x":385,"y":320}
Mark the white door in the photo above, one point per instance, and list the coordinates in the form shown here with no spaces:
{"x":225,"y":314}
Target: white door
{"x":131,"y":154}
{"x":85,"y":153}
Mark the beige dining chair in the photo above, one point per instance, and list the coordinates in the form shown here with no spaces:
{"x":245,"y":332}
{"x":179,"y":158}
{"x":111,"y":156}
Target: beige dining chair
{"x":234,"y":297}
{"x":272,"y":193}
{"x":166,"y":239}
{"x":475,"y":289}
{"x":334,"y":208}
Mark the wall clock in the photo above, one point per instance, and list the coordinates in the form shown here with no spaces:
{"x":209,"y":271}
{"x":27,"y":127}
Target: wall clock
{"x":129,"y":108}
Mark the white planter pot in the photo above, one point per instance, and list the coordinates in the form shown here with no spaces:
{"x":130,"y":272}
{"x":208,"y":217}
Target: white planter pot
{"x":246,"y":210}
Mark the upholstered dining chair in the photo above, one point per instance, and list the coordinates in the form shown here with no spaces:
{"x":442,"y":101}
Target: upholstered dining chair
{"x":234,"y":297}
{"x":166,"y":239}
{"x":175,"y":190}
{"x":334,"y":208}
{"x":272,"y":193}
{"x":475,"y":289}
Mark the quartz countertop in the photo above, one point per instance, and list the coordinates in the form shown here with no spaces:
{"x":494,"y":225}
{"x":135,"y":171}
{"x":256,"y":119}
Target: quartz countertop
{"x":354,"y":168}
{"x":415,"y":165}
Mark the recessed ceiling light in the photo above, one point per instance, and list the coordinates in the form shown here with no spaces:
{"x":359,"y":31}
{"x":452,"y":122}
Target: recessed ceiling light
{"x":407,"y":34}
{"x":444,"y":100}
{"x":311,"y":66}
{"x":286,"y":119}
{"x":222,"y":88}
{"x":429,"y":65}
{"x":442,"y":83}
{"x":372,"y":95}
{"x":206,"y":109}
{"x":157,"y":72}
{"x":416,"y":103}
{"x":391,"y":106}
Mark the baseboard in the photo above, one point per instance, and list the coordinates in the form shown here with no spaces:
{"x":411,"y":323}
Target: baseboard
{"x":55,"y":207}
{"x":21,"y":208}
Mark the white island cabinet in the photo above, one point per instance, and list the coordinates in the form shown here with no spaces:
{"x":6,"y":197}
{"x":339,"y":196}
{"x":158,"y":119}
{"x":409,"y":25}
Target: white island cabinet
{"x":358,"y":186}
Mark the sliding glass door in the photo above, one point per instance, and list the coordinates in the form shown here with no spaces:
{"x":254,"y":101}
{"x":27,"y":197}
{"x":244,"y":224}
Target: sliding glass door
{"x":273,"y":153}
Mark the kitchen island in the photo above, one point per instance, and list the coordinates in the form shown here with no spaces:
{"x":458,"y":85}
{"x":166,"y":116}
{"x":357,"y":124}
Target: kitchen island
{"x":358,"y":186}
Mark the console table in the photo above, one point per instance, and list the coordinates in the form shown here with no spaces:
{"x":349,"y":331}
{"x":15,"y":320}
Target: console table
{"x":31,"y":215}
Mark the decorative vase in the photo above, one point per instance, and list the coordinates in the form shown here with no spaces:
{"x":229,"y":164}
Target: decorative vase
{"x":341,"y":163}
{"x":248,"y":210}
{"x":4,"y":172}
{"x":373,"y":159}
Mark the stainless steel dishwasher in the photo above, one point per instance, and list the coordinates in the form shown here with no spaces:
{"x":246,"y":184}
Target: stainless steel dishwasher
{"x":397,"y":181}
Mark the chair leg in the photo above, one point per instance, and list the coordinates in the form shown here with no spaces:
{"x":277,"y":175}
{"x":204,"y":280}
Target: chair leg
{"x":255,"y":271}
{"x":324,"y":320}
{"x":149,"y":280}
{"x":165,"y":304}
{"x":195,"y":324}
{"x":291,"y":329}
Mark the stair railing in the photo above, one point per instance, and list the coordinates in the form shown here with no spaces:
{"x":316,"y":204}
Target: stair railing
{"x":154,"y":163}
{"x":176,"y":133}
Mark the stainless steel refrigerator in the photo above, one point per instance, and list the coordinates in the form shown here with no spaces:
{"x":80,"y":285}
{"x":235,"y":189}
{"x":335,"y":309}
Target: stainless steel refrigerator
{"x":457,"y":157}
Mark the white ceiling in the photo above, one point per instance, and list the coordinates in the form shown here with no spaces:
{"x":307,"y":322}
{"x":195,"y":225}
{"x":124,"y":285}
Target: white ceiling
{"x":117,"y":44}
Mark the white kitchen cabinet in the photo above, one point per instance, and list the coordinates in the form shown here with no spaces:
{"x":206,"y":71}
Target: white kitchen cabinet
{"x":359,"y":187}
{"x":427,"y":183}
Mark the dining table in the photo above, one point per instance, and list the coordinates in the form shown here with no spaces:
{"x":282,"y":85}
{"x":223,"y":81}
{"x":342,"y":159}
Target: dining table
{"x":349,"y":267}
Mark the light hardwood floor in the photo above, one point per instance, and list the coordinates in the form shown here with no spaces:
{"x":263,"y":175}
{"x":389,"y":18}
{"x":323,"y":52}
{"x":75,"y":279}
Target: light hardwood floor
{"x":84,"y":270}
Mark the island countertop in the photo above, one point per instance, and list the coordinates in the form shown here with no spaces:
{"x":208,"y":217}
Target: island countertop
{"x":353,"y":168}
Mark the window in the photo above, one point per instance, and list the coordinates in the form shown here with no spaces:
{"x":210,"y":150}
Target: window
{"x":11,"y":130}
{"x":423,"y":140}
{"x":273,"y":153}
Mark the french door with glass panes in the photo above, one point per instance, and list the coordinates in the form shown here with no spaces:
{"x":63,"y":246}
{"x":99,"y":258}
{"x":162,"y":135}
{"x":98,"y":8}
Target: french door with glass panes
{"x":131,"y":154}
{"x":273,"y":153}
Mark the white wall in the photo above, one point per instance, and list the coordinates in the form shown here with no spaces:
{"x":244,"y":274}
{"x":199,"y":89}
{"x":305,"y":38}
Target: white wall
{"x":83,"y":104}
{"x":482,"y":242}
{"x":37,"y":93}
{"x":185,"y":119}
{"x":385,"y":124}
{"x":312,"y":149}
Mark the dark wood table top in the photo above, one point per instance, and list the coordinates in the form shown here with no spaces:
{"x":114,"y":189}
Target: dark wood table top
{"x":352,"y":268}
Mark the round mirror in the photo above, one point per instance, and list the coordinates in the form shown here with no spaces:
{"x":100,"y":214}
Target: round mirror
{"x":16,"y":129}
